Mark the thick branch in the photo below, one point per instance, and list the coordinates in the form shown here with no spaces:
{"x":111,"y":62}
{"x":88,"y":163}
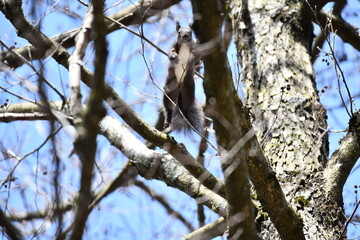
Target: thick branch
{"x":11,"y":117}
{"x":154,"y":165}
{"x":13,"y":11}
{"x":343,"y":160}
{"x":36,"y":109}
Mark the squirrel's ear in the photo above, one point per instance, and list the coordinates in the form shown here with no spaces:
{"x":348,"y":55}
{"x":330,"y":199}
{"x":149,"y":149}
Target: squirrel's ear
{"x":177,"y":26}
{"x":191,"y":25}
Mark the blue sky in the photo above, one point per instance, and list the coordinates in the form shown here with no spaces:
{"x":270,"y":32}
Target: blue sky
{"x":122,"y":213}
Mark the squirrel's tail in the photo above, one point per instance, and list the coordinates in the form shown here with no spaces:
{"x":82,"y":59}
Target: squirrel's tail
{"x":194,"y":115}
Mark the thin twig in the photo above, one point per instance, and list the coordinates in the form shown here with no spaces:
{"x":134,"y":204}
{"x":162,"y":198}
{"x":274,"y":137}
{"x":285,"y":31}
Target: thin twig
{"x":18,"y":96}
{"x":137,"y":34}
{"x":26,"y":155}
{"x":42,"y":78}
{"x":164,"y":203}
{"x":336,"y":63}
{"x":349,"y":219}
{"x":142,"y":37}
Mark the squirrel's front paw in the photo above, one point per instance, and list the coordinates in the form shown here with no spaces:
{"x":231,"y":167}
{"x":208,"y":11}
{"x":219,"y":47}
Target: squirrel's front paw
{"x":174,"y":57}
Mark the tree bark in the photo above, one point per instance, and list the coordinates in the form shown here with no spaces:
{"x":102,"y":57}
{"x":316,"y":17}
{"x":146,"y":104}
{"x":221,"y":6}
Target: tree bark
{"x":277,"y":139}
{"x":273,"y":40}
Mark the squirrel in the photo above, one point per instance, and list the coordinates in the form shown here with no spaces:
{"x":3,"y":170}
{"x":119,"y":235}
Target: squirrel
{"x":180,"y":86}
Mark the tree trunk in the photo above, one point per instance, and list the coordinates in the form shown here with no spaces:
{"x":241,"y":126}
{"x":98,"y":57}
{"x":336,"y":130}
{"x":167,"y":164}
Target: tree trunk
{"x":273,"y":39}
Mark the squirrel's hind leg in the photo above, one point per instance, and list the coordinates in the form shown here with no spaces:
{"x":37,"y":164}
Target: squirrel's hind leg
{"x":168,"y":115}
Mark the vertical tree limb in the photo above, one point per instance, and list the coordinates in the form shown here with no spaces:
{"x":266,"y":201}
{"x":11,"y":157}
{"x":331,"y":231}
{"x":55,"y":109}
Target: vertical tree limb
{"x":220,"y":96}
{"x":75,"y":63}
{"x":88,"y":128}
{"x":12,"y":232}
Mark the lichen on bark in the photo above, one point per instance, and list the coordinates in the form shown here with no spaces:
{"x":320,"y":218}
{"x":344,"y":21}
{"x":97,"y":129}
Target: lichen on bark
{"x":273,"y":39}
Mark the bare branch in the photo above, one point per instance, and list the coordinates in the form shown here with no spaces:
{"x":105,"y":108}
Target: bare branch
{"x":343,"y":159}
{"x":320,"y":39}
{"x":208,"y":231}
{"x":34,"y":111}
{"x":41,"y":77}
{"x":123,"y":110}
{"x":234,"y":167}
{"x":75,"y":63}
{"x":159,"y":198}
{"x":88,"y":125}
{"x":153,"y":165}
{"x":119,"y":181}
{"x":137,"y":34}
{"x":206,"y":178}
{"x":9,"y":228}
{"x":16,"y":95}
{"x":20,"y":159}
{"x":328,"y":25}
{"x":13,"y":12}
{"x":125,"y":177}
{"x":344,"y":30}
{"x":41,"y":214}
{"x":350,"y":218}
{"x":132,"y":15}
{"x":11,"y":117}
{"x":85,"y":143}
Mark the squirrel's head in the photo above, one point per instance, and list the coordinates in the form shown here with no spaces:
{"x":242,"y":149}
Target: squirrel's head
{"x":184,"y":34}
